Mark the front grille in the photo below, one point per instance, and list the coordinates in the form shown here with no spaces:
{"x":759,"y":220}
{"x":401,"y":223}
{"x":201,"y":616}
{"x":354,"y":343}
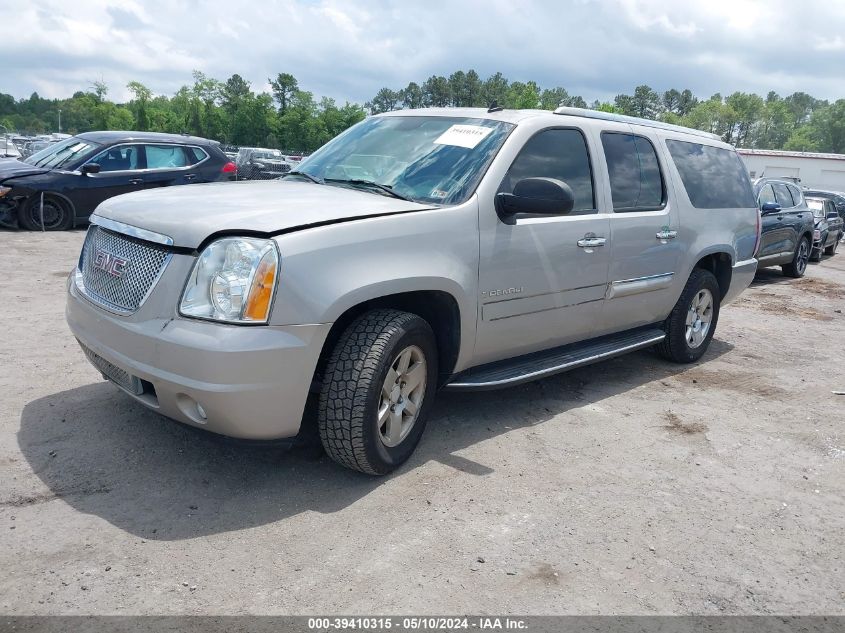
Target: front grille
{"x":118,"y":271}
{"x":113,"y":372}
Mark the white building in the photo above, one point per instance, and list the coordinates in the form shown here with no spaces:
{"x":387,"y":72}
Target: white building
{"x":810,"y":169}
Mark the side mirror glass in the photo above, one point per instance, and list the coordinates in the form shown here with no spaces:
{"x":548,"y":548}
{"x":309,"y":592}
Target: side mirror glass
{"x":91,"y":168}
{"x":536,"y":196}
{"x":770,"y":207}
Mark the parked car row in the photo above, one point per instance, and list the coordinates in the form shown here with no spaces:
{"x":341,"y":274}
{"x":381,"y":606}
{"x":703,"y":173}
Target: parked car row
{"x":794,"y":229}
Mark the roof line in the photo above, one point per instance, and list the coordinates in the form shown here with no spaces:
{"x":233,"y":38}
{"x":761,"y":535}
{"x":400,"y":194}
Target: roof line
{"x":623,"y":118}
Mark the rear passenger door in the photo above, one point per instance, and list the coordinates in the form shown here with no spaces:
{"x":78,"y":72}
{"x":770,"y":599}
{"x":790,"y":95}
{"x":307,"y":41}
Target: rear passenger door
{"x":644,"y":229}
{"x":167,"y":165}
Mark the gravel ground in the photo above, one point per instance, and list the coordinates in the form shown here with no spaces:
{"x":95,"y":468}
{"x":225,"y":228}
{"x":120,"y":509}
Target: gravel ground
{"x":634,"y":486}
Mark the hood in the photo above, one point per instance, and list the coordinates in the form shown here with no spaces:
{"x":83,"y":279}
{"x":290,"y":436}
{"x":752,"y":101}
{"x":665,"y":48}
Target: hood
{"x":13,"y":168}
{"x":190,"y":214}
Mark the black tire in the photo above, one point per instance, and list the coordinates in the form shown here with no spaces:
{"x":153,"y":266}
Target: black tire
{"x":352,"y":390}
{"x":58,"y":214}
{"x":675,"y":346}
{"x":831,"y":250}
{"x":798,"y":266}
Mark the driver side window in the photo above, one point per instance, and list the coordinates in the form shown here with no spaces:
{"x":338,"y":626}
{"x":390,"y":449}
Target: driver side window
{"x":767,"y":195}
{"x":119,"y":158}
{"x":560,"y":154}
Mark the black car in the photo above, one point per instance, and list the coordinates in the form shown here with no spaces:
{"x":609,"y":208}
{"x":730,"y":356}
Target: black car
{"x":261,"y":164}
{"x":61,"y":185}
{"x":837,"y":197}
{"x":829,"y":227}
{"x":787,"y":225}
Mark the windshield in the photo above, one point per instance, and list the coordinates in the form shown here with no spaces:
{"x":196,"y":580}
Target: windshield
{"x":267,"y":155}
{"x":62,"y":153}
{"x":425,"y":159}
{"x":815,"y":205}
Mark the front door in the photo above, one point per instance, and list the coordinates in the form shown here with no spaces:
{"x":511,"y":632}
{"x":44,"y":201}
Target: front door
{"x":120,"y":172}
{"x":644,"y":227}
{"x":542,"y":279}
{"x":775,"y":238}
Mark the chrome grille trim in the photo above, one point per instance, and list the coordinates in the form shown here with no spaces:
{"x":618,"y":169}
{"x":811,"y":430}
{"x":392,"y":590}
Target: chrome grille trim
{"x":133,"y":231}
{"x":122,"y":295}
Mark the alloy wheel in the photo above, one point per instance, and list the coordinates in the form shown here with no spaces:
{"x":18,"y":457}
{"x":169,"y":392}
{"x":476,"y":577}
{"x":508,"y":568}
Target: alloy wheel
{"x":401,"y":395}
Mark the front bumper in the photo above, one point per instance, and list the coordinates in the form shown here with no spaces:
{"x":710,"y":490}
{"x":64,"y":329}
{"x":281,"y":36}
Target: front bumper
{"x":742,"y":274}
{"x":251,"y":382}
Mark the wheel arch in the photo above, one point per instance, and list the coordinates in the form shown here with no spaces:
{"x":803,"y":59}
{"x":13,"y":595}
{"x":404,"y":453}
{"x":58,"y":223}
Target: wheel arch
{"x":718,"y":261}
{"x":440,"y":308}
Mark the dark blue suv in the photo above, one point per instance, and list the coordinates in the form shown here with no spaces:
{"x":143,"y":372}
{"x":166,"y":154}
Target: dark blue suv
{"x":786,"y":232}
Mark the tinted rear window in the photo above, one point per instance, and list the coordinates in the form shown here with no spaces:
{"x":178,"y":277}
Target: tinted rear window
{"x":714,"y":178}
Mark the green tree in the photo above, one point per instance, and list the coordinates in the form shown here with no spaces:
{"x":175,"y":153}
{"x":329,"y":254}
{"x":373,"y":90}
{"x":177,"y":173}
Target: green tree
{"x":494,"y":90}
{"x":436,"y":92}
{"x":385,"y":100}
{"x":142,"y":96}
{"x":284,"y":88}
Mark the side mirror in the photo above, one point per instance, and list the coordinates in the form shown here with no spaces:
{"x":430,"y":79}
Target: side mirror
{"x":91,"y":168}
{"x":536,"y":196}
{"x":770,"y":207}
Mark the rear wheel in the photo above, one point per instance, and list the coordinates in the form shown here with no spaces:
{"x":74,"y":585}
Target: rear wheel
{"x":56,"y":214}
{"x":692,"y":322}
{"x":798,"y":266}
{"x":378,"y":386}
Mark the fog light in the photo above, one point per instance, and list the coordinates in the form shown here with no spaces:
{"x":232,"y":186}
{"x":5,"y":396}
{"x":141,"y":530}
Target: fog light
{"x":201,"y":411}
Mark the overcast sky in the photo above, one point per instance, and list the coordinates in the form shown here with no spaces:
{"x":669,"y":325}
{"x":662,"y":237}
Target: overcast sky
{"x":348,"y":50}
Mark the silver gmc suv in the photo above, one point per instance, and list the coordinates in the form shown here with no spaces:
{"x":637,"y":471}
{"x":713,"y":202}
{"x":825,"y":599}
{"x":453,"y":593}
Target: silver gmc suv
{"x":424,"y":249}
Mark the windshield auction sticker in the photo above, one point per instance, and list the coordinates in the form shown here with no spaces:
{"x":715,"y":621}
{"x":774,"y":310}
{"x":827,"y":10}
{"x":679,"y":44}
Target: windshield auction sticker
{"x":463,"y":135}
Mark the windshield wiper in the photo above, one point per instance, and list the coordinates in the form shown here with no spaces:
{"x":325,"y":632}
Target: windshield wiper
{"x":370,"y":183}
{"x":313,"y":179}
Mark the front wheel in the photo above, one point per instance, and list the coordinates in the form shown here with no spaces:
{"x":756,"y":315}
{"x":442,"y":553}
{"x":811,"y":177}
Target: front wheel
{"x":55,"y":215}
{"x":377,"y":389}
{"x":831,"y":250}
{"x":692,"y":322}
{"x":798,"y":266}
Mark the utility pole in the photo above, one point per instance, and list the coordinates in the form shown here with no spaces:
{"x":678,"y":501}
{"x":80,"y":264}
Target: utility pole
{"x":60,"y":121}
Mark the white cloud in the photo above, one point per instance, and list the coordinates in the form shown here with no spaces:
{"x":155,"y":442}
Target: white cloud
{"x":348,"y":50}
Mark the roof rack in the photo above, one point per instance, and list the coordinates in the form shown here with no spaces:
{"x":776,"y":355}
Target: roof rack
{"x":622,"y":118}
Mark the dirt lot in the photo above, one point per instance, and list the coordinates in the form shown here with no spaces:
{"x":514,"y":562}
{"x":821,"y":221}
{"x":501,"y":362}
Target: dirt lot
{"x":634,"y":486}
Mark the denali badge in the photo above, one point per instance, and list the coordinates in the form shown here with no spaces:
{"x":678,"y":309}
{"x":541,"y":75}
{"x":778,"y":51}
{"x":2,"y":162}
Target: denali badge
{"x":109,"y":263}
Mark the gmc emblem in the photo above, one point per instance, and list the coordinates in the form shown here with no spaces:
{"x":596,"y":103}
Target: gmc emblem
{"x":109,"y":263}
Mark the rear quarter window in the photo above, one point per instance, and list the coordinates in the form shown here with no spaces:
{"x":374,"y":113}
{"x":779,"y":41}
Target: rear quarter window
{"x":714,"y":178}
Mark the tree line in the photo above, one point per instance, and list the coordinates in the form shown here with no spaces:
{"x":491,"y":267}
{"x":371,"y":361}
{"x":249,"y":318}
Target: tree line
{"x":290,"y":118}
{"x":797,"y":121}
{"x":228,"y":111}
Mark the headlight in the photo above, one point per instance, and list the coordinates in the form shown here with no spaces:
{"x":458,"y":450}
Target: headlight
{"x":233,"y":280}
{"x":4,"y":191}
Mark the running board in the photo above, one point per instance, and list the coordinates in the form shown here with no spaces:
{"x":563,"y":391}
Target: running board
{"x":538,"y":365}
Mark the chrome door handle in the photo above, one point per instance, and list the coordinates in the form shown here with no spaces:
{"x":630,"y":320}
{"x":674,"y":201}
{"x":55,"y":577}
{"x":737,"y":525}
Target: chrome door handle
{"x":136,"y":181}
{"x":666,"y":235}
{"x":592,"y":242}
